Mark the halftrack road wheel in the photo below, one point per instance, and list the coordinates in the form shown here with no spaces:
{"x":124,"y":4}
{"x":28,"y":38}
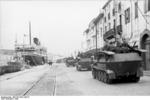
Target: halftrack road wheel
{"x":106,"y":78}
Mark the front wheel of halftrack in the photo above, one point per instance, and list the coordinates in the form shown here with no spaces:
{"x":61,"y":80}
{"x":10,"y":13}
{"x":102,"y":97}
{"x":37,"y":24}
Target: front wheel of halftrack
{"x":105,"y":77}
{"x":93,"y":74}
{"x":96,"y":74}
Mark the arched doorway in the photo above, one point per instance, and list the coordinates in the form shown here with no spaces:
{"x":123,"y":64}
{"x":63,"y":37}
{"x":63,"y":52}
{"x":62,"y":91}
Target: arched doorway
{"x":145,"y":44}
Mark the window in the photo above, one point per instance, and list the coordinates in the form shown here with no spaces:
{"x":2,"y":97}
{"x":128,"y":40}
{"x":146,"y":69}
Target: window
{"x":108,"y":16}
{"x":119,"y":7}
{"x":127,"y":16}
{"x":114,"y":23}
{"x":120,"y":17}
{"x":105,"y":19}
{"x":113,"y":12}
{"x":109,"y":26}
{"x":146,"y":6}
{"x":100,"y":22}
{"x":136,"y":9}
{"x":105,"y":28}
{"x":101,"y":31}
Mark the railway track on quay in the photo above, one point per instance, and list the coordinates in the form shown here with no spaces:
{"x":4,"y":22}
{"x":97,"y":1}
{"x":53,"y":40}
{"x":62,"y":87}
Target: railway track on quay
{"x":52,"y":92}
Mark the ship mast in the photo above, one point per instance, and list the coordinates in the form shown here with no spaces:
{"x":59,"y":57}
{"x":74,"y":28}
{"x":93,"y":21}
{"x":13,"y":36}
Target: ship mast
{"x":29,"y":32}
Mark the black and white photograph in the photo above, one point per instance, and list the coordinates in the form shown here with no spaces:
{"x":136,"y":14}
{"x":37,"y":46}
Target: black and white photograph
{"x":74,"y":48}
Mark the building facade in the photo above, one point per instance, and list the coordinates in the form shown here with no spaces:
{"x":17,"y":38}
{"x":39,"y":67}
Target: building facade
{"x":128,"y":19}
{"x":98,"y":22}
{"x":90,"y":36}
{"x":136,"y":25}
{"x":112,"y":20}
{"x":94,"y":33}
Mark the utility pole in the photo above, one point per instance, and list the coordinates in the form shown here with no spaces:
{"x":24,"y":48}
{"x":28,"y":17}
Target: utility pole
{"x":96,"y":37}
{"x":115,"y":22}
{"x":30,"y":33}
{"x":131,"y":20}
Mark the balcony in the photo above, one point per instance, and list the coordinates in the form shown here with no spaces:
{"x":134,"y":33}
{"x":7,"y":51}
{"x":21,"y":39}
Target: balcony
{"x":119,"y":29}
{"x":111,"y":33}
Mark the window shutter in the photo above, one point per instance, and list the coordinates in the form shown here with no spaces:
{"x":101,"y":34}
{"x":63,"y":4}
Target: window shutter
{"x":148,"y":5}
{"x":128,"y":15}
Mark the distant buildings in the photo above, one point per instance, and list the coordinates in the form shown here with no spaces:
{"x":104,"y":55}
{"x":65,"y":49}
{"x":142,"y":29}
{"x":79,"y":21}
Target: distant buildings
{"x":91,"y":35}
{"x":98,"y":22}
{"x":5,"y":56}
{"x":95,"y":28}
{"x":129,"y":19}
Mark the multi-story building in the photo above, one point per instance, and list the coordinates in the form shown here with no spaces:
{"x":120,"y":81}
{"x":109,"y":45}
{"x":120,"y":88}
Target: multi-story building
{"x":131,"y":20}
{"x":98,"y":22}
{"x":136,"y":25}
{"x":90,"y":34}
{"x":112,"y":20}
{"x":88,"y":39}
{"x":94,"y":33}
{"x":83,"y":42}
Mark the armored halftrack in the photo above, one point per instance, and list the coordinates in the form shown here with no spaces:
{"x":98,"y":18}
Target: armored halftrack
{"x":70,"y":61}
{"x":84,"y":61}
{"x":112,"y":63}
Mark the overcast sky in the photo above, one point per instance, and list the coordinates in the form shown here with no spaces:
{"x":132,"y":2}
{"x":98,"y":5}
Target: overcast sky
{"x":59,"y":24}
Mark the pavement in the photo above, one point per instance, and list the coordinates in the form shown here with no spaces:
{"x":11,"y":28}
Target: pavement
{"x":146,"y":73}
{"x":59,"y":80}
{"x":80,"y":83}
{"x":17,"y":84}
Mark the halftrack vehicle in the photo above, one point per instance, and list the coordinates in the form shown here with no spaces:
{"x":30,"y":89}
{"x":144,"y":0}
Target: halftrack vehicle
{"x":112,"y":63}
{"x":84,"y":61}
{"x":70,"y":61}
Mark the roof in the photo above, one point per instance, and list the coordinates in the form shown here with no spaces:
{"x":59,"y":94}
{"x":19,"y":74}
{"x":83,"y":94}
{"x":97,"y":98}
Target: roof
{"x":100,"y":16}
{"x":106,"y":3}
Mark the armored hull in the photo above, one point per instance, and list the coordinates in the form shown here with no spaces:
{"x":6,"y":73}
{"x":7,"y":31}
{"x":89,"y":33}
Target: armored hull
{"x":112,"y":66}
{"x":70,"y":62}
{"x":84,"y":64}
